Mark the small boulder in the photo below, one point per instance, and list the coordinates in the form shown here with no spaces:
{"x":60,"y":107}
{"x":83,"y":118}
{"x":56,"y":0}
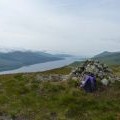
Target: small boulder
{"x":105,"y":82}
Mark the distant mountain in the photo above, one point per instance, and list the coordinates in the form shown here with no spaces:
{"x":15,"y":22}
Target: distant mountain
{"x":17,"y":59}
{"x":110,"y":58}
{"x":63,"y":55}
{"x":105,"y":53}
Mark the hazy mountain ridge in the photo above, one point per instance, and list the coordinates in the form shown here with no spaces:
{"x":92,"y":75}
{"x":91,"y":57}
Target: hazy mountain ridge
{"x":16,"y":59}
{"x":103,"y":54}
{"x":63,"y":55}
{"x":111,"y":58}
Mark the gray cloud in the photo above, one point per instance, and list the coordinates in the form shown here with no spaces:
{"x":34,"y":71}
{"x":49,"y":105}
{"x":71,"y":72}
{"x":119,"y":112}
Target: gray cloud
{"x":76,"y":27}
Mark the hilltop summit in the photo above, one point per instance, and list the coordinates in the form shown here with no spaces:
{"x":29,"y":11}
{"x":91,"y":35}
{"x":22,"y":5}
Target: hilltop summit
{"x":100,"y":70}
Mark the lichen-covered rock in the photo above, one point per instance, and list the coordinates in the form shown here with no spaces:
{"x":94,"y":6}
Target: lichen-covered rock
{"x":100,"y":70}
{"x":105,"y":82}
{"x":5,"y":117}
{"x":52,"y":77}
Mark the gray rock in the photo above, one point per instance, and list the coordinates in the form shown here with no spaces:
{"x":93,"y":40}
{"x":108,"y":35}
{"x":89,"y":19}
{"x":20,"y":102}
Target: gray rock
{"x":100,"y":70}
{"x":105,"y":82}
{"x":74,"y":78}
{"x":5,"y":118}
{"x":52,"y":77}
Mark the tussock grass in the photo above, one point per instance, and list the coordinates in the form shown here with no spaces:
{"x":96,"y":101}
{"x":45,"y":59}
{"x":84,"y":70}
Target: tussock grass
{"x":21,"y":96}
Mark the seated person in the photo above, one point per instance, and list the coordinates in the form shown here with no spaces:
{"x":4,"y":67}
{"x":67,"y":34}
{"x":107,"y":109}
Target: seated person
{"x":89,"y":82}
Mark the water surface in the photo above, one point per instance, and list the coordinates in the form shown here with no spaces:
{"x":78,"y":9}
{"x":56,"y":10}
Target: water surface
{"x":42,"y":66}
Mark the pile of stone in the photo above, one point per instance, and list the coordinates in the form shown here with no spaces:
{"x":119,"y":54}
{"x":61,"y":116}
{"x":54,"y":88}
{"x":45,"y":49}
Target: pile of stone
{"x":101,"y":71}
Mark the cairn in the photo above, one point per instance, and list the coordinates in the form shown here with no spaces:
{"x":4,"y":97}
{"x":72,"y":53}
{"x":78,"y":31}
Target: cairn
{"x":102,"y":72}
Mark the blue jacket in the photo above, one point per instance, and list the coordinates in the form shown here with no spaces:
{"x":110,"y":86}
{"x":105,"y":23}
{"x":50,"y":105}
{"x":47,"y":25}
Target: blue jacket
{"x":89,"y":84}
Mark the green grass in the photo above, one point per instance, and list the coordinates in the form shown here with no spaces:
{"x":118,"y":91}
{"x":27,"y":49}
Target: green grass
{"x":63,"y":70}
{"x":77,"y":63}
{"x":21,"y":96}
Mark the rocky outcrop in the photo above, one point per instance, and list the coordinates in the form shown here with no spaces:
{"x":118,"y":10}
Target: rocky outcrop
{"x":52,"y":77}
{"x":100,"y":70}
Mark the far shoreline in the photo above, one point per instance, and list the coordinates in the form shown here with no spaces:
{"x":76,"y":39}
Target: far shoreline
{"x":41,"y":67}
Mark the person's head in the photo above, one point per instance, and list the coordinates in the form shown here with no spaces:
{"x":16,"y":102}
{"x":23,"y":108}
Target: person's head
{"x":91,"y":74}
{"x":88,"y":73}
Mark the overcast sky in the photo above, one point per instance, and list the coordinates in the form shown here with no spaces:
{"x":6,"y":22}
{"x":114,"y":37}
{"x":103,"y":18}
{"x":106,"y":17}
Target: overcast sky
{"x":81,"y":27}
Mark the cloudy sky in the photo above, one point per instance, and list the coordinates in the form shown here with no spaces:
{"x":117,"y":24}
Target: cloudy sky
{"x":81,"y":27}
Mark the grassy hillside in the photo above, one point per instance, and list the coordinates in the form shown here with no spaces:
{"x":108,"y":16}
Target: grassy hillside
{"x":16,"y":59}
{"x":76,"y":64}
{"x":22,"y":97}
{"x":110,"y":58}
